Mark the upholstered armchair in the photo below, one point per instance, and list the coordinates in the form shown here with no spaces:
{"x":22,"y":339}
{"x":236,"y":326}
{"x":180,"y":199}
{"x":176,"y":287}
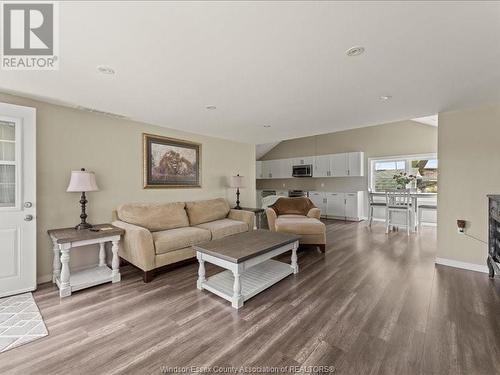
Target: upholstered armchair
{"x":298,"y":216}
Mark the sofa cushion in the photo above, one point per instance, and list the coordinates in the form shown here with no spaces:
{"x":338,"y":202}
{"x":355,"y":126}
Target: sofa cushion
{"x":208,"y":210}
{"x":154,"y":216}
{"x":224,"y":227}
{"x":178,"y":238}
{"x":303,"y":225}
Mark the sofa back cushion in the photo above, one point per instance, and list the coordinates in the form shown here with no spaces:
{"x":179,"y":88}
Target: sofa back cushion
{"x":154,"y":216}
{"x":200,"y":212}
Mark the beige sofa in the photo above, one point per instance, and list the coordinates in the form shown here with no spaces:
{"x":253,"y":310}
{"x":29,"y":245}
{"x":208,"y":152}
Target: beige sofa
{"x":298,"y":216}
{"x":160,"y":234}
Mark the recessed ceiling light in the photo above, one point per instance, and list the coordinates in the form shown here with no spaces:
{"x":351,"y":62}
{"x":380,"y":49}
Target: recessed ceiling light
{"x":355,"y":51}
{"x":267,"y":126}
{"x":210,"y":107}
{"x":385,"y":97}
{"x":105,"y":69}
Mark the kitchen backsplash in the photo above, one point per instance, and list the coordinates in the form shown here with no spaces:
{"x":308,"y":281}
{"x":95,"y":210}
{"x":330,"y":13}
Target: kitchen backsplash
{"x":340,"y":184}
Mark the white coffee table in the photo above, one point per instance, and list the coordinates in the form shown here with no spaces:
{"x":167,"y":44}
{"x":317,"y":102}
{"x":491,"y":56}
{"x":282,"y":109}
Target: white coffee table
{"x":247,"y":260}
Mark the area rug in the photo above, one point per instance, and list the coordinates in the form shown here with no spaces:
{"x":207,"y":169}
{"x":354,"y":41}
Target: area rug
{"x":20,"y":321}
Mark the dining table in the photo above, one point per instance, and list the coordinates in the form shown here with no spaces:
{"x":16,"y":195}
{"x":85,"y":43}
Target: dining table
{"x":415,"y":196}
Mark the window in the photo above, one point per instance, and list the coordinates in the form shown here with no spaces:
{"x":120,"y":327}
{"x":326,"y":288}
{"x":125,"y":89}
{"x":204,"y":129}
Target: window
{"x":424,"y":167}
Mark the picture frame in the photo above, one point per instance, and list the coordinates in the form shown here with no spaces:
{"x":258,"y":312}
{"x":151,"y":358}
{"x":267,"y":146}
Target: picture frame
{"x":170,"y":162}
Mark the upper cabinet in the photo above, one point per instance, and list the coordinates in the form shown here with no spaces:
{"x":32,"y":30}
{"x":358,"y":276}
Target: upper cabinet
{"x":258,"y":169}
{"x":356,"y":164}
{"x":339,"y":165}
{"x":333,"y":165}
{"x":306,"y":160}
{"x":322,"y":166}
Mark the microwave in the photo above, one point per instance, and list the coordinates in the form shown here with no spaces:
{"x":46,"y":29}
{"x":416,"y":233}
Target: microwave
{"x":302,"y":170}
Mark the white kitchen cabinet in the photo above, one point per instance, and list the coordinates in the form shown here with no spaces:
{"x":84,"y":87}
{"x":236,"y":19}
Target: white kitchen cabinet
{"x":319,"y":200}
{"x":356,"y":163}
{"x":343,"y":206}
{"x":258,"y":169}
{"x":354,"y":206}
{"x":338,"y":165}
{"x":286,"y":168}
{"x":321,"y":166}
{"x":335,"y":205}
{"x":305,"y":160}
{"x":266,"y":169}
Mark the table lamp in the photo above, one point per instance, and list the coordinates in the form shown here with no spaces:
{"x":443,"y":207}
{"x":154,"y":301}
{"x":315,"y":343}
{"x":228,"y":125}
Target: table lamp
{"x":237,"y":182}
{"x":82,"y":181}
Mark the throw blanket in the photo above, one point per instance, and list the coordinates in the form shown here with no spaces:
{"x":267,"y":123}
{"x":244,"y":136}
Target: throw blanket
{"x":295,"y":206}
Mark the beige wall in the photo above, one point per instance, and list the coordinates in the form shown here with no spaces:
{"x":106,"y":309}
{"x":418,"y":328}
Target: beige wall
{"x":398,"y":138}
{"x":469,"y":159}
{"x":69,"y":139}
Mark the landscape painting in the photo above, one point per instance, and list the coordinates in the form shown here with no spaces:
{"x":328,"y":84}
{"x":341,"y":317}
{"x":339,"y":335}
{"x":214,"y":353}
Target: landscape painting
{"x":170,"y":163}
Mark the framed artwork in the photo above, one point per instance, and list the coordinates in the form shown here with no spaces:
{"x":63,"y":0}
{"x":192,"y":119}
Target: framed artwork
{"x":170,"y":163}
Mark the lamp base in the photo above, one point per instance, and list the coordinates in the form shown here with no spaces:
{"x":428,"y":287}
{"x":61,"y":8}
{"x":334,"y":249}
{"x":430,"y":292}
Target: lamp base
{"x":82,"y":226}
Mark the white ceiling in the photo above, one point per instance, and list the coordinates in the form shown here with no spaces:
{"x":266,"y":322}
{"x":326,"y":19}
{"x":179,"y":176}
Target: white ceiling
{"x":277,"y":63}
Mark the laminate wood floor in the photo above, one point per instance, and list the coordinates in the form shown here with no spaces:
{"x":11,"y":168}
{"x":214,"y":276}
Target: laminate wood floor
{"x":373,"y":304}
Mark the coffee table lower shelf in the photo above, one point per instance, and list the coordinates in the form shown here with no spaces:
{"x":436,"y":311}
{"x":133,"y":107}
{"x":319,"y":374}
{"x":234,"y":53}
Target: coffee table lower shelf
{"x":253,"y":281}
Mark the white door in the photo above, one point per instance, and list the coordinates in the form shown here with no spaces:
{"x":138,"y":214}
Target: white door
{"x":355,"y":165}
{"x":321,"y":166}
{"x":17,"y":199}
{"x":335,"y":204}
{"x":266,"y":169}
{"x":258,"y":169}
{"x":351,"y":206}
{"x":319,"y":200}
{"x":338,"y":164}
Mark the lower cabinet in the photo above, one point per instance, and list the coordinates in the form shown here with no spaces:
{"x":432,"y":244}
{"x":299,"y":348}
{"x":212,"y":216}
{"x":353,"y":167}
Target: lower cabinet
{"x":344,"y":206}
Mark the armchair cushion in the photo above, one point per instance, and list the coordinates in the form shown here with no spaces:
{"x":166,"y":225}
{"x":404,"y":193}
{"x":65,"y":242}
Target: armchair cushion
{"x":224,"y":227}
{"x":304,"y":225}
{"x":178,"y":238}
{"x":207,"y":210}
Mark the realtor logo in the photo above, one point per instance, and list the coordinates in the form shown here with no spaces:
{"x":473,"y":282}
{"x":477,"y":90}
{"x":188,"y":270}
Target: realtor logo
{"x":30,"y":36}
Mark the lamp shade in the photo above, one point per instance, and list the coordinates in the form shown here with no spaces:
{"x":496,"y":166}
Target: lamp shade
{"x":82,"y":181}
{"x":237,"y":182}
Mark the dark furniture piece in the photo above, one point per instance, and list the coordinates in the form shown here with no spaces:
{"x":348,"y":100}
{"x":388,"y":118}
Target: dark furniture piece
{"x":493,"y":260}
{"x":258,"y":215}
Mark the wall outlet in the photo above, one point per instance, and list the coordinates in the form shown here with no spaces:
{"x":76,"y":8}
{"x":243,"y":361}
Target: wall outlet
{"x":322,"y":184}
{"x":461,"y":226}
{"x":284,"y":185}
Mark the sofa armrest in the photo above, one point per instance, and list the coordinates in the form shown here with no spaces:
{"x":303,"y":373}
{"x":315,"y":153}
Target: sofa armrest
{"x":271,"y":219}
{"x":137,"y":246}
{"x":247,"y":217}
{"x":314,"y":213}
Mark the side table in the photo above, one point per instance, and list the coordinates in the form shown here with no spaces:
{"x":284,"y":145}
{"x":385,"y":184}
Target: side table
{"x":258,"y":215}
{"x":66,"y":239}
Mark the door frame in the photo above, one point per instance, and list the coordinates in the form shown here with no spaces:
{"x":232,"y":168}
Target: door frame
{"x":26,"y":117}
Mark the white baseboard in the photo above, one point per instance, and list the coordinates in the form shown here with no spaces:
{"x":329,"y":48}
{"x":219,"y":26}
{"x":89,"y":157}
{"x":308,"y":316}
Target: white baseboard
{"x":463,"y":265}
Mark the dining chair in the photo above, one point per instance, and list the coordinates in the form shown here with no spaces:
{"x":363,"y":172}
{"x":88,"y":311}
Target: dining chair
{"x":421,"y":209}
{"x":371,"y":205}
{"x":399,"y":200}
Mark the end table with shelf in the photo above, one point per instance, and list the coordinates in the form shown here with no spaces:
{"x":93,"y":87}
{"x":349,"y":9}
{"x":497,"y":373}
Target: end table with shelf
{"x":66,"y":240}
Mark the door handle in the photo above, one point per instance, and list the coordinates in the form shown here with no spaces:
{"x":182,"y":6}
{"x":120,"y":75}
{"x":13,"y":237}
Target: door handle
{"x":28,"y":218}
{"x":28,"y":204}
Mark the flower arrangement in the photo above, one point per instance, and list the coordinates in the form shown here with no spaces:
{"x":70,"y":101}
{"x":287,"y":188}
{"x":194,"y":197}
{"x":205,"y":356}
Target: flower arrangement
{"x":403,"y":179}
